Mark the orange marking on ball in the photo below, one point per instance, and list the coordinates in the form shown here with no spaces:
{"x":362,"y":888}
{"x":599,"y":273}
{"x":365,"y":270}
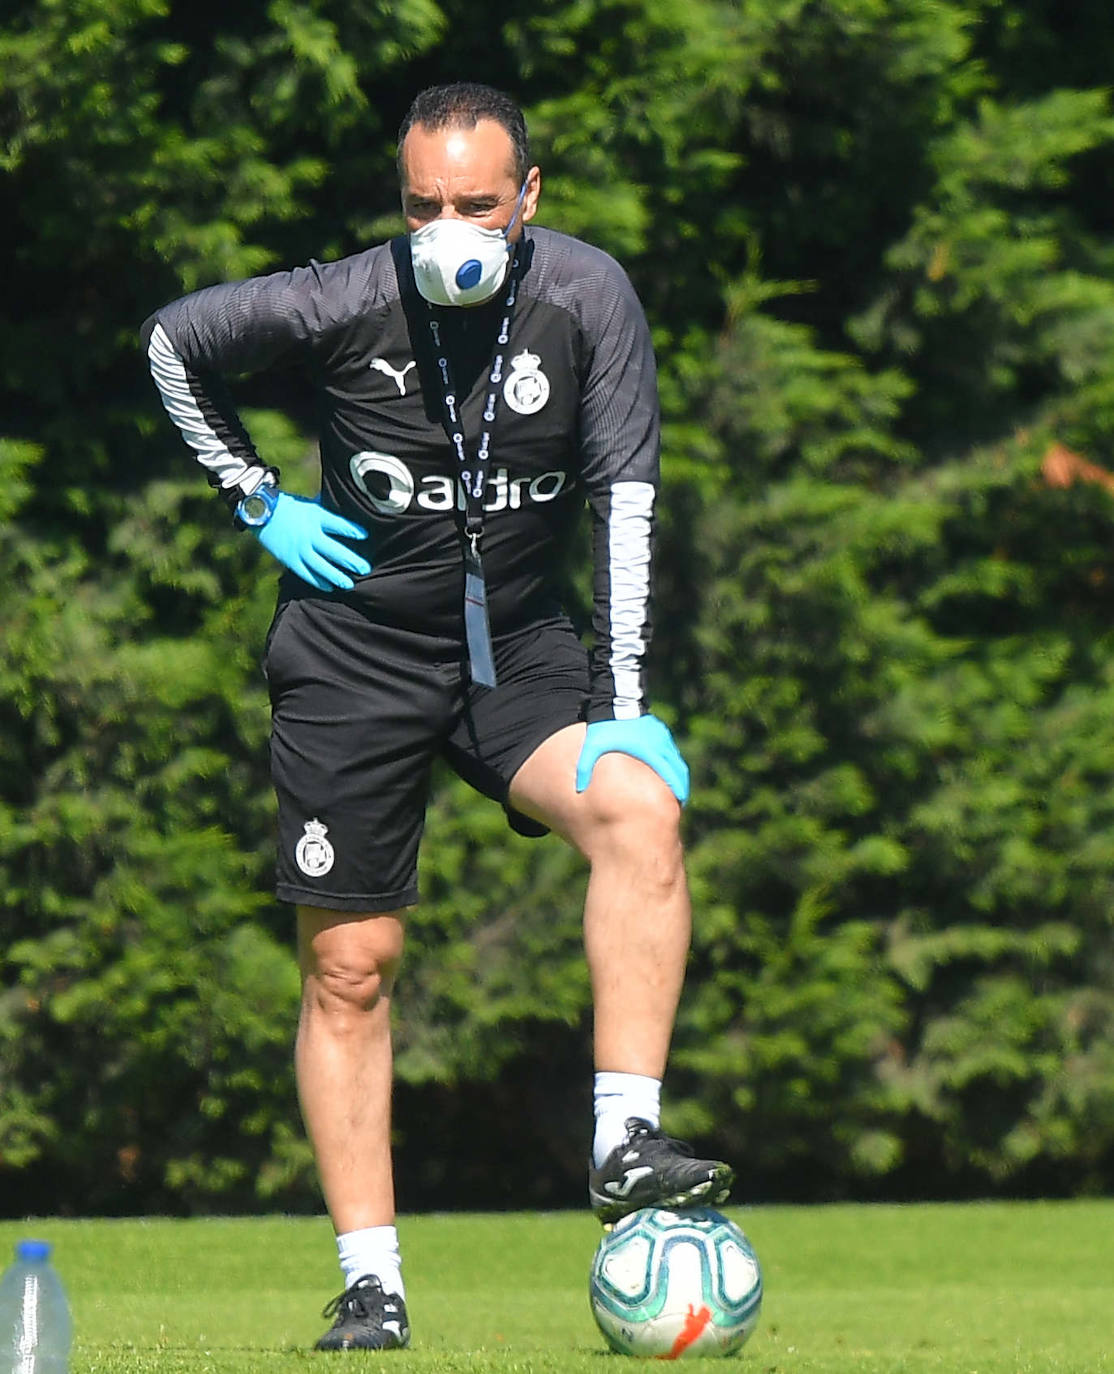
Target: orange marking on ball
{"x":695,"y":1323}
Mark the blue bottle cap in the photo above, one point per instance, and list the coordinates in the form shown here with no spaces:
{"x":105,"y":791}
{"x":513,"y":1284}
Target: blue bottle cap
{"x":33,"y":1250}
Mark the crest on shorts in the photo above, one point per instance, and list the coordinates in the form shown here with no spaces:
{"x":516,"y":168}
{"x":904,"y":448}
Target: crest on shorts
{"x":314,"y":852}
{"x":526,"y":390}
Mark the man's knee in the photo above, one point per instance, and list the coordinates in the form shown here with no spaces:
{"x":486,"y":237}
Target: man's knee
{"x":630,"y":808}
{"x":348,"y":965}
{"x":337,"y":986}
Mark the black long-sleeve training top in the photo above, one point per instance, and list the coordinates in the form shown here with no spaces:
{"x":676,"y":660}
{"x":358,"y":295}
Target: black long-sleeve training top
{"x":578,"y":416}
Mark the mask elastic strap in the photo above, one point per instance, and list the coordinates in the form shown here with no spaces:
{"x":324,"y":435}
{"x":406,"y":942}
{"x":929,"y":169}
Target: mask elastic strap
{"x":517,"y":207}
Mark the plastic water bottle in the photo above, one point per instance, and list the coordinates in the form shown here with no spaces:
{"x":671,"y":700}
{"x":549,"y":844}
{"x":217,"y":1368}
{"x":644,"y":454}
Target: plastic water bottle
{"x":35,"y":1326}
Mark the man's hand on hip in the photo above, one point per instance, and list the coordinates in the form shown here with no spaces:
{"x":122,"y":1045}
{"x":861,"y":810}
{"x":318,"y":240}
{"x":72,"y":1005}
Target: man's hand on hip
{"x":646,"y":738}
{"x":300,"y":534}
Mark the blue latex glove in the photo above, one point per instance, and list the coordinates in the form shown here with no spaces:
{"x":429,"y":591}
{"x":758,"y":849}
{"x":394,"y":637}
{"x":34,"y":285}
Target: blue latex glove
{"x":645,"y":738}
{"x":299,"y":534}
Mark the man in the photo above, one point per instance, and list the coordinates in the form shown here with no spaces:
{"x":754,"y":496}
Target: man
{"x":477,"y":381}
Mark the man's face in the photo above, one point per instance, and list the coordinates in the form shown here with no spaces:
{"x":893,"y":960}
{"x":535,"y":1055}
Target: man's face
{"x":464,"y":174}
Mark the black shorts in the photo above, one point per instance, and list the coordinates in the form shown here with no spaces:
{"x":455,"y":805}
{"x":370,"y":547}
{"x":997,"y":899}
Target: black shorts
{"x":361,"y":711}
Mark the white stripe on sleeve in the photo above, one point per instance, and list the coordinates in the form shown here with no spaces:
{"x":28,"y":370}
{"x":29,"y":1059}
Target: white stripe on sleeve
{"x":169,"y":373}
{"x":628,"y":555}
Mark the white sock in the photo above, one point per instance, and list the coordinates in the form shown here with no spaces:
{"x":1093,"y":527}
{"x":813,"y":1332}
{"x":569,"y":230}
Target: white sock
{"x":374,"y":1250}
{"x":617,"y":1096}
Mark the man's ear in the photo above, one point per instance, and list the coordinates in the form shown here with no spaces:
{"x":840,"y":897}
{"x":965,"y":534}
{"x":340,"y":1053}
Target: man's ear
{"x":533,"y":192}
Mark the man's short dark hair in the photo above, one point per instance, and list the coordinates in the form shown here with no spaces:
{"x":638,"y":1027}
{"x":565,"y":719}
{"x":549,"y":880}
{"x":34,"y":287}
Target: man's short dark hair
{"x":462,"y":105}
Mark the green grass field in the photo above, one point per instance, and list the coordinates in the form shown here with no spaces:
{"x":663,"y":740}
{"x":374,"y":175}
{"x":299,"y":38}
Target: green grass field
{"x":972,"y":1289}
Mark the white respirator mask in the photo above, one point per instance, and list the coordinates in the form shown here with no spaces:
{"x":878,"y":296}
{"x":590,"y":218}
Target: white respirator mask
{"x":458,"y":263}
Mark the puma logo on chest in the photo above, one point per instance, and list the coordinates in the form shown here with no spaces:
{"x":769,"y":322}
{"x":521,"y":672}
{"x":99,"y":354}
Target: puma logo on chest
{"x":382,"y":365}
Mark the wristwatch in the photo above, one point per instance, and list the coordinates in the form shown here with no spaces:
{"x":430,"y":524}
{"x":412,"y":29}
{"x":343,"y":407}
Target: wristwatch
{"x":255,"y":509}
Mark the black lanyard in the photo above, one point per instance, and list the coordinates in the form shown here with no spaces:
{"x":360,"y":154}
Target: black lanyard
{"x":473,"y":478}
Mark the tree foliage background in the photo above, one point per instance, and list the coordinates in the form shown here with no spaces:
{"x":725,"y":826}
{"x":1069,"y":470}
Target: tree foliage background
{"x":875,"y":246}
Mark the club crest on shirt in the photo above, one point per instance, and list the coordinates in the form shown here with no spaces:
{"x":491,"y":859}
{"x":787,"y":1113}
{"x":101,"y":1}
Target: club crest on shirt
{"x":314,"y":853}
{"x":526,"y":389}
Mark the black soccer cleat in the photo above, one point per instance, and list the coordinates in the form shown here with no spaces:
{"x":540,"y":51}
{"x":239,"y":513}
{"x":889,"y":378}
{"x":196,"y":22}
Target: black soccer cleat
{"x":650,"y":1169}
{"x":366,"y":1319}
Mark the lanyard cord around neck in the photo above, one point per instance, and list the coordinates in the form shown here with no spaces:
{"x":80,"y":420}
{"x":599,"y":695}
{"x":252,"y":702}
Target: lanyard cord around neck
{"x":472,"y":473}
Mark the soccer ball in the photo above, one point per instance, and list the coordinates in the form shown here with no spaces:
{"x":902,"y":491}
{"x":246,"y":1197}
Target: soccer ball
{"x":674,"y":1284}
